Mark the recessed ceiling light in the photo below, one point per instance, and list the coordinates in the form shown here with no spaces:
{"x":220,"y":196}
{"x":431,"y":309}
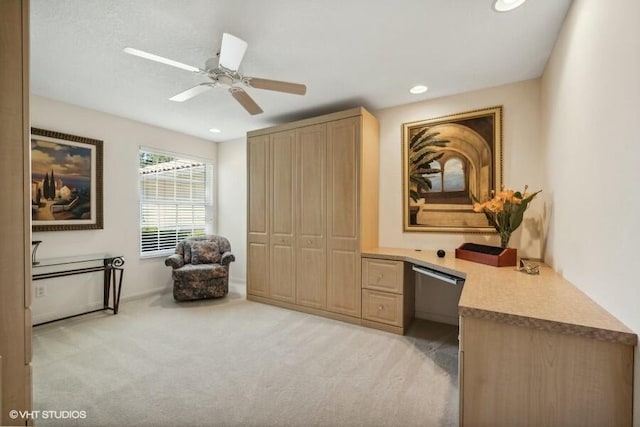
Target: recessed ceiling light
{"x":506,"y":5}
{"x":214,"y":130}
{"x":418,"y":89}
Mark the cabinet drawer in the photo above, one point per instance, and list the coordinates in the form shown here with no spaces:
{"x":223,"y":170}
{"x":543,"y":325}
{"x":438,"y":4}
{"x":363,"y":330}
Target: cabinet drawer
{"x":382,"y":307}
{"x":382,"y":275}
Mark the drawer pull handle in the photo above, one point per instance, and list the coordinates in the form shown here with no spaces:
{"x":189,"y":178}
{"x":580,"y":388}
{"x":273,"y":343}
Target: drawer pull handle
{"x":379,"y":277}
{"x":308,"y":241}
{"x":380,"y":307}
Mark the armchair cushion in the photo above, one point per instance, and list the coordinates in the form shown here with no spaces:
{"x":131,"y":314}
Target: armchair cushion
{"x":206,"y":252}
{"x":186,"y":250}
{"x":199,"y":273}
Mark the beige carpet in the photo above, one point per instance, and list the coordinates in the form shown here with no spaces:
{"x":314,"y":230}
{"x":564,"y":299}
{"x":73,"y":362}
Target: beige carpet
{"x":234,"y":362}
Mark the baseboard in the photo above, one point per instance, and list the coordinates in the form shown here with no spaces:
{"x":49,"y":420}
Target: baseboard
{"x":383,"y":327}
{"x":435,"y":317}
{"x":238,"y":282}
{"x":50,"y":316}
{"x":308,"y":310}
{"x":328,"y":314}
{"x":157,"y":291}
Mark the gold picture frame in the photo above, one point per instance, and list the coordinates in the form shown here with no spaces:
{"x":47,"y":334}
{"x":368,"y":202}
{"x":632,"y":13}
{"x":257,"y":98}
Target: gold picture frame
{"x":66,"y":182}
{"x":448,"y":163}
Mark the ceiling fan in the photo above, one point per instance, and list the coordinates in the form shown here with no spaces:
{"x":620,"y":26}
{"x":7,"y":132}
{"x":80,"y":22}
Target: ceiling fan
{"x":223,"y":71}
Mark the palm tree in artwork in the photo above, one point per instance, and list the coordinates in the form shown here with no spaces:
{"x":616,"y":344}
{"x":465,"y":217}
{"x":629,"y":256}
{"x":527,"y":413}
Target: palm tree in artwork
{"x":422,"y":153}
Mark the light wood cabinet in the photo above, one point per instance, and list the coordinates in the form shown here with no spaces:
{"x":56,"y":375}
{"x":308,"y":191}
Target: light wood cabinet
{"x":311,"y":261}
{"x":321,"y":209}
{"x":343,"y":289}
{"x":258,"y":216}
{"x":282,"y":225}
{"x":388,"y":294}
{"x":15,"y":251}
{"x":517,"y":375}
{"x":382,"y":275}
{"x":382,"y":307}
{"x":534,"y":350}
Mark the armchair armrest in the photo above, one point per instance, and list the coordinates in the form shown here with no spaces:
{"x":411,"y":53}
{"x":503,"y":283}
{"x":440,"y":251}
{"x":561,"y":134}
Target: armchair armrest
{"x":227,"y":258}
{"x":174,"y":261}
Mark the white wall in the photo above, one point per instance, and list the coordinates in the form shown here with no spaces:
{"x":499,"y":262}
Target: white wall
{"x":590,"y":115}
{"x":122,"y":138}
{"x":523,"y":164}
{"x":232,"y":202}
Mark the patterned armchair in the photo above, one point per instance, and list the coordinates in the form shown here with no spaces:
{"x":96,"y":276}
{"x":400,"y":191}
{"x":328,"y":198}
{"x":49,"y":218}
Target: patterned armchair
{"x":201,"y":268}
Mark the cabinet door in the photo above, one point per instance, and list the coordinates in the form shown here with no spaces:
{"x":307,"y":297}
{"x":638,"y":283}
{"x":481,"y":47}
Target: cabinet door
{"x":258,"y":216}
{"x":282,"y":215}
{"x":343,"y":249}
{"x":311,"y":284}
{"x":515,"y":375}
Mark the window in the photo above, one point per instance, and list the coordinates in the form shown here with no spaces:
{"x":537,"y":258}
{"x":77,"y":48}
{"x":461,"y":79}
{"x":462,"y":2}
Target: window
{"x":454,"y":175}
{"x":175,"y":200}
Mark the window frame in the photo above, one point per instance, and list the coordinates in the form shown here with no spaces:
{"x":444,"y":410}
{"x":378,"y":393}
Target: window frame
{"x":209,"y":202}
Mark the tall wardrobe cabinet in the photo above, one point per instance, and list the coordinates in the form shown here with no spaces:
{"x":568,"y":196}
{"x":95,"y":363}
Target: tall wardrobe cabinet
{"x":312,"y":208}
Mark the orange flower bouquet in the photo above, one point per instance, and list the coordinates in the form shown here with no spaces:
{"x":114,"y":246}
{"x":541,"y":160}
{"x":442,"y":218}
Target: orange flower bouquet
{"x":505,"y":211}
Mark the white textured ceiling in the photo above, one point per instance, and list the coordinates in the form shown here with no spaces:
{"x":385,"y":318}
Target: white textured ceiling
{"x":347,"y":52}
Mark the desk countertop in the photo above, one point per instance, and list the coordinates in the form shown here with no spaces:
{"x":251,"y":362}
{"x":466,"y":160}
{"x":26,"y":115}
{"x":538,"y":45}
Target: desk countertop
{"x":545,"y":301}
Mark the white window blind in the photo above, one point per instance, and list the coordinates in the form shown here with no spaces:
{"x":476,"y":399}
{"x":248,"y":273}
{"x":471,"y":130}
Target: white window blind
{"x":175,"y":200}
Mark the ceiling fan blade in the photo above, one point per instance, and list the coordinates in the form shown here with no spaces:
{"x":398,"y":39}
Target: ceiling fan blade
{"x":245,"y":100}
{"x":190,"y":93}
{"x":156,"y":58}
{"x":295,"y":88}
{"x":231,"y":52}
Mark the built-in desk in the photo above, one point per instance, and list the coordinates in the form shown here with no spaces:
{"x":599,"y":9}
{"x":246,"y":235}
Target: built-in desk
{"x":534,"y":349}
{"x":110,"y":265}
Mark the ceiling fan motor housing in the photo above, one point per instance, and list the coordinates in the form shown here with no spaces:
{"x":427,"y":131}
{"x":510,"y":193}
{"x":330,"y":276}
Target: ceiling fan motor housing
{"x":225,"y":79}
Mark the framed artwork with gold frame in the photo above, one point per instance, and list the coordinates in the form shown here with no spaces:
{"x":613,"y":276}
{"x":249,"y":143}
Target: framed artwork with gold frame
{"x":448,"y":164}
{"x":66,"y":182}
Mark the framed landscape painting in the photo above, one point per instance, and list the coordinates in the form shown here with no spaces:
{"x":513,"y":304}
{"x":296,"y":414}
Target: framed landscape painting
{"x":66,"y":182}
{"x":448,"y":164}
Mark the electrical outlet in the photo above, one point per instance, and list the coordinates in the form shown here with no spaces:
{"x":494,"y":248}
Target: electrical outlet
{"x":41,"y":291}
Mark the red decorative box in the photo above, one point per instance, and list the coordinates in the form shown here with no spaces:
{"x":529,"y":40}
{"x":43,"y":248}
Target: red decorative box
{"x":490,"y":255}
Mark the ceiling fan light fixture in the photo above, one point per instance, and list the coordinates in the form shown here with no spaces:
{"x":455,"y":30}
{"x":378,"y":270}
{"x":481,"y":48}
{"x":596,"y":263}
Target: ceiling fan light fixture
{"x":506,"y":5}
{"x":418,"y":89}
{"x":225,"y":73}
